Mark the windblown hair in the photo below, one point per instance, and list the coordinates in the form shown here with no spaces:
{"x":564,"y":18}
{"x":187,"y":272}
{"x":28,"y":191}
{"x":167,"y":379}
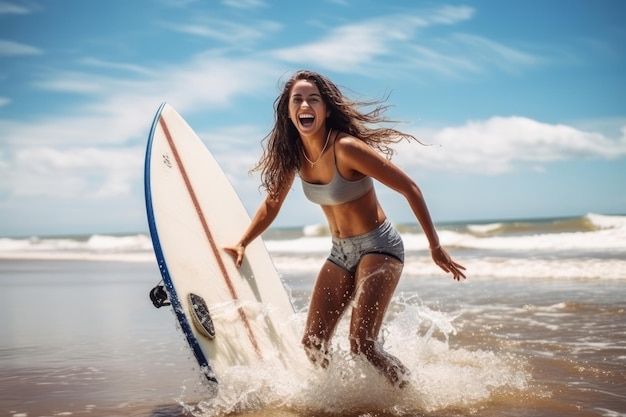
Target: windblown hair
{"x":281,"y":155}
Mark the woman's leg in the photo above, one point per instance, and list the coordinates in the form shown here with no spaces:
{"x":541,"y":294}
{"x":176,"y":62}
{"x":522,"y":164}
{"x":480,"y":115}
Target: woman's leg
{"x":331,"y":296}
{"x":375,"y":282}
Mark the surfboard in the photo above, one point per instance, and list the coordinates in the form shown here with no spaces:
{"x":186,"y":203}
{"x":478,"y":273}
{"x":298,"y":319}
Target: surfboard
{"x":229,"y":316}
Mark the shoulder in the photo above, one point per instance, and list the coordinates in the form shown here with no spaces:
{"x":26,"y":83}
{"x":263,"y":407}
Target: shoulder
{"x":347,"y":145}
{"x":355,"y":154}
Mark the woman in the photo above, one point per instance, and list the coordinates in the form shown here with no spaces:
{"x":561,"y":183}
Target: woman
{"x":323,"y":138}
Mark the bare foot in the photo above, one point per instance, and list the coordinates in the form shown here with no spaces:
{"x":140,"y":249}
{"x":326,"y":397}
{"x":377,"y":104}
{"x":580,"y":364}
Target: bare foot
{"x":396,"y":373}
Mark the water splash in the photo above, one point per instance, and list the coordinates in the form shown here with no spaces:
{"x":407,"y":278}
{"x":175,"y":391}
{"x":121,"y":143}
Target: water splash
{"x":442,"y":377}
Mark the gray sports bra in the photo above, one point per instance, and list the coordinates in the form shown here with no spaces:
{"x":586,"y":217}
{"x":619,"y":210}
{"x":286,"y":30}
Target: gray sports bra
{"x":338,"y":191}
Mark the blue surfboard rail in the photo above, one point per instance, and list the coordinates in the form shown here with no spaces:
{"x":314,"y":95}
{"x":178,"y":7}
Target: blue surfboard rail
{"x":167,"y":280}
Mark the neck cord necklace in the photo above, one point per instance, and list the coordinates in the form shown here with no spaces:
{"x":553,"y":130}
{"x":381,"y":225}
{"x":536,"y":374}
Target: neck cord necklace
{"x":321,"y":153}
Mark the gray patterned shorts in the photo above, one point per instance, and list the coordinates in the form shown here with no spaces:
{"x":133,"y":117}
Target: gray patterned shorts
{"x":384,"y":240}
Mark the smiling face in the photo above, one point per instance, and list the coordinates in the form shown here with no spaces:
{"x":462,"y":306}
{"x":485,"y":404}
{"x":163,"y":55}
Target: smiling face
{"x":307,"y":109}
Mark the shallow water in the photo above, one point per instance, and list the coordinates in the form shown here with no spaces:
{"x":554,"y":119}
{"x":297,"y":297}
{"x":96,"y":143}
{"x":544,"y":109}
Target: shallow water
{"x":82,"y":338}
{"x":538,"y":329}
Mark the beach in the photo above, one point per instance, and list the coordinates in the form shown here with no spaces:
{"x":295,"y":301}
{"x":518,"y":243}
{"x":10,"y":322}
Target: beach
{"x":537,"y":329}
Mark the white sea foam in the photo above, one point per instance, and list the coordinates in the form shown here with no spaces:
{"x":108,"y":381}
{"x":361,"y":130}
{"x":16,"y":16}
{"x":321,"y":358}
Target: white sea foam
{"x":441,"y":376}
{"x":603,"y":239}
{"x":590,"y":247}
{"x":485,"y":267}
{"x":134,"y":248}
{"x":315,"y":230}
{"x":484,"y":229}
{"x":608,"y":233}
{"x":303,"y":245}
{"x":607,"y":222}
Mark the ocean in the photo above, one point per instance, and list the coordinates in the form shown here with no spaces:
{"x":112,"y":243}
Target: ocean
{"x":537,"y":329}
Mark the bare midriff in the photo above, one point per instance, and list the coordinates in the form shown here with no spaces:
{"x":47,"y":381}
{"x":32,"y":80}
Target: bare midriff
{"x":355,"y":217}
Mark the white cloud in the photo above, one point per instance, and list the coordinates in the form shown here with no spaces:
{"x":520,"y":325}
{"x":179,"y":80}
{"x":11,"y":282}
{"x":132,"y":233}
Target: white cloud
{"x":118,"y":108}
{"x":74,"y":130}
{"x":460,"y":56}
{"x":244,"y":4}
{"x":131,"y":68}
{"x":10,"y":8}
{"x":494,"y":146}
{"x":238,"y":149}
{"x":494,"y":53}
{"x":73,"y":82}
{"x":442,"y":63}
{"x":390,"y":45}
{"x":85,"y":152}
{"x":94,"y":150}
{"x":49,"y":151}
{"x":450,"y":15}
{"x":348,"y":47}
{"x":228,"y":32}
{"x":10,"y":48}
{"x":86,"y":172}
{"x":501,"y":144}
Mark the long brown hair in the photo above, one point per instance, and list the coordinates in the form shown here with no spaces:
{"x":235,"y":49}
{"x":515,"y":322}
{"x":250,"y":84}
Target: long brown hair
{"x":281,"y":155}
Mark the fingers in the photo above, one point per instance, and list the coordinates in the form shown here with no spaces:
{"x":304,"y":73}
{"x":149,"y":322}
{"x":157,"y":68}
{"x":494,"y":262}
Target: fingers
{"x":237,"y":254}
{"x":240,"y":252}
{"x":458,"y":274}
{"x":449,"y":266}
{"x":457,"y":271}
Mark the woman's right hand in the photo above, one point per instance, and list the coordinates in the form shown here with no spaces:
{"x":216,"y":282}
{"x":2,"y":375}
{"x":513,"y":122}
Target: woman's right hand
{"x":237,"y":252}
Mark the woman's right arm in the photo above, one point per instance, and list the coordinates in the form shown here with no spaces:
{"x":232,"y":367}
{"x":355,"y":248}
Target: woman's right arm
{"x":263,"y":218}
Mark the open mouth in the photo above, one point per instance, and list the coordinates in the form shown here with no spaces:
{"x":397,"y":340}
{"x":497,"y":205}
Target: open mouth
{"x":306,"y":120}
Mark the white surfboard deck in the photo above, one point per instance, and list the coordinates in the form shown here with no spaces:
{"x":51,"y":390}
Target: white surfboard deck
{"x":193,"y":213}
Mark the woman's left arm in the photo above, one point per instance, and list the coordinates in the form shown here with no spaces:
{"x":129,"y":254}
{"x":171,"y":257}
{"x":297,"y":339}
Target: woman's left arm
{"x":360,"y":157}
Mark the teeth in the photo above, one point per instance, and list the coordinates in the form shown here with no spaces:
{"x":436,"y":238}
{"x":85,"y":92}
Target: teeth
{"x":307,"y":116}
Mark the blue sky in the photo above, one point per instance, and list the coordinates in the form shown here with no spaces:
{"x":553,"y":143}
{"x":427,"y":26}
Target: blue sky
{"x":523,"y":101}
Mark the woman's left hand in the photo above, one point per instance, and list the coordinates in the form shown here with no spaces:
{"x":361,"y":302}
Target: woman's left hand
{"x":445,"y":262}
